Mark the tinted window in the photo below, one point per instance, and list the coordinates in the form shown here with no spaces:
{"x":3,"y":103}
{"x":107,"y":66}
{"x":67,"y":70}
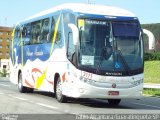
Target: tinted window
{"x":26,"y":34}
{"x":35,"y":32}
{"x":45,"y":32}
{"x":69,"y":18}
{"x":126,"y":29}
{"x":56,"y":30}
{"x":17,"y":36}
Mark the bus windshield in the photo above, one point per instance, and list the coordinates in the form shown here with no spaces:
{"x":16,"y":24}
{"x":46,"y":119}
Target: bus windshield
{"x":110,"y":46}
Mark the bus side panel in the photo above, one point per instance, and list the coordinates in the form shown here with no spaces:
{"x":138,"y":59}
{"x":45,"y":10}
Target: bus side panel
{"x":15,"y":63}
{"x":35,"y":64}
{"x":40,"y":67}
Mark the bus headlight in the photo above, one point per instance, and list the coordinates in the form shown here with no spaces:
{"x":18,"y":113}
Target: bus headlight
{"x":137,"y":82}
{"x":86,"y":80}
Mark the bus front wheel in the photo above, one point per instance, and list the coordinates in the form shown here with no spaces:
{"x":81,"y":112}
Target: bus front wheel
{"x":114,"y":101}
{"x":59,"y":96}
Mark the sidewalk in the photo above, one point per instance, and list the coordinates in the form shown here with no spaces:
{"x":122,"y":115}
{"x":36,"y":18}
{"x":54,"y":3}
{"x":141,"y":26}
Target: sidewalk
{"x":151,"y":85}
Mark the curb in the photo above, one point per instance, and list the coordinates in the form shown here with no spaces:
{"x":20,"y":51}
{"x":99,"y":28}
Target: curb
{"x":146,"y":95}
{"x":151,"y":85}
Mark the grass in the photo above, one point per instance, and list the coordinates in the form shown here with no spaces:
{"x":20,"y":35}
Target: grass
{"x":152,"y":72}
{"x":152,"y":75}
{"x":152,"y":92}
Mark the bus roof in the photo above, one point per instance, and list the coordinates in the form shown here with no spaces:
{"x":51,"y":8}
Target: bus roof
{"x":86,"y":9}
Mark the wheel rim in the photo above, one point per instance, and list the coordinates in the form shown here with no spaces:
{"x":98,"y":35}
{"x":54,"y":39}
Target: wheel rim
{"x":19,"y":85}
{"x":58,"y":90}
{"x":20,"y":82}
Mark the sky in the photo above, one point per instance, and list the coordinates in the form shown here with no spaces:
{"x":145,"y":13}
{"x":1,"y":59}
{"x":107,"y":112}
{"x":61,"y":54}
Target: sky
{"x":12,"y":11}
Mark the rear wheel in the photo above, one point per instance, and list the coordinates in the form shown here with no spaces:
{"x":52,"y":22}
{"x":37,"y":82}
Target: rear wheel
{"x":114,"y":101}
{"x":59,"y":96}
{"x":21,"y":88}
{"x":29,"y":90}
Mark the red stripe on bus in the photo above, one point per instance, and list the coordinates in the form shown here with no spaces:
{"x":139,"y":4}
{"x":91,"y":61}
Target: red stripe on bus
{"x":33,"y":78}
{"x":28,"y":84}
{"x":36,"y":70}
{"x":51,"y":82}
{"x":63,"y":77}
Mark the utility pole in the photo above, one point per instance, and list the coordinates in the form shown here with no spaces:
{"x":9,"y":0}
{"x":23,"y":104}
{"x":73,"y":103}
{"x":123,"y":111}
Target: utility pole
{"x":5,"y":21}
{"x":90,"y":1}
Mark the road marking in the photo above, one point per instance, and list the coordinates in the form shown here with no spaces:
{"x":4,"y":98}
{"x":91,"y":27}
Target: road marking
{"x":32,"y":101}
{"x":48,"y":106}
{"x":20,"y":98}
{"x":147,"y":105}
{"x":5,"y":85}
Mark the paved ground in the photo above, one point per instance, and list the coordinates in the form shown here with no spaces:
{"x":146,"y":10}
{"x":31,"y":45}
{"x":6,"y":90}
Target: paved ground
{"x":43,"y":106}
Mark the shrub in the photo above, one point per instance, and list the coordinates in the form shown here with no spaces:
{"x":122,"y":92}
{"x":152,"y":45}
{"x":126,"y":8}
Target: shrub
{"x":4,"y":73}
{"x":152,"y":56}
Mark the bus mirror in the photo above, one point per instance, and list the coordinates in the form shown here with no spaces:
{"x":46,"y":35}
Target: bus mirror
{"x":75,"y":32}
{"x":151,"y":39}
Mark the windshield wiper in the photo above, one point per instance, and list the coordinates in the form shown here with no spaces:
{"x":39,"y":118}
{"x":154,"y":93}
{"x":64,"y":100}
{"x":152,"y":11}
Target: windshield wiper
{"x":124,"y":61}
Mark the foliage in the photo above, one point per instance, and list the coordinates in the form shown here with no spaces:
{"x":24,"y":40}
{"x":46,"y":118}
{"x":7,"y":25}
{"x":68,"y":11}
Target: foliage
{"x":153,"y":92}
{"x":152,"y":56}
{"x":155,"y":29}
{"x":4,"y":73}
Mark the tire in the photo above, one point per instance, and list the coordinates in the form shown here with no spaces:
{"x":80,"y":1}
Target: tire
{"x":21,"y":88}
{"x":114,"y":101}
{"x":59,"y":96}
{"x":29,"y":90}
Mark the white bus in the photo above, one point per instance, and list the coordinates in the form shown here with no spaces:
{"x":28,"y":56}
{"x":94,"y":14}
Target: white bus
{"x":79,"y":51}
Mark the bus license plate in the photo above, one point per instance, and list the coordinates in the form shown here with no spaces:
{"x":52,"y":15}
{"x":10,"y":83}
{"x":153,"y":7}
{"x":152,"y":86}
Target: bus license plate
{"x":115,"y":93}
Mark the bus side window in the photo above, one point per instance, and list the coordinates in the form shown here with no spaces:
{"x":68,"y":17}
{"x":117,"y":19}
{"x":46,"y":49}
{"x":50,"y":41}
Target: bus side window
{"x":28,"y":34}
{"x":69,"y":18}
{"x":24,"y":32}
{"x":17,"y":36}
{"x":35,"y":32}
{"x":25,"y":37}
{"x":58,"y":39}
{"x":71,"y":48}
{"x":52,"y":29}
{"x":45,"y":30}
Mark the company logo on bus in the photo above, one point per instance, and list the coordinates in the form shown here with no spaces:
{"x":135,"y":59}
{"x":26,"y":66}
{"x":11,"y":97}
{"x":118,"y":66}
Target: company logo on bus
{"x":114,"y":85}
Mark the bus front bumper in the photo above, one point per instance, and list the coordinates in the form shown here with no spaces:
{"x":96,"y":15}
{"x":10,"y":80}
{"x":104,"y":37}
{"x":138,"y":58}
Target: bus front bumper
{"x":88,"y":91}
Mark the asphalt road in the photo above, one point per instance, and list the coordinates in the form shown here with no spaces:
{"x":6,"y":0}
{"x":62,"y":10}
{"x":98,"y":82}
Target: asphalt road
{"x":41,"y":105}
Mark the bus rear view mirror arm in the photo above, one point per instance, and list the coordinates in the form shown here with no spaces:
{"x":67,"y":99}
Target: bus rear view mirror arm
{"x":75,"y":32}
{"x":151,"y":39}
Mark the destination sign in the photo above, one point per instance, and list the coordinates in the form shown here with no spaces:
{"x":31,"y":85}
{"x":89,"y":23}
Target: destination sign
{"x":96,"y":22}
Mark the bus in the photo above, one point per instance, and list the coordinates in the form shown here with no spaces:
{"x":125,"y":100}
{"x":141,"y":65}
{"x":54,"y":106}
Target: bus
{"x":79,"y":51}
